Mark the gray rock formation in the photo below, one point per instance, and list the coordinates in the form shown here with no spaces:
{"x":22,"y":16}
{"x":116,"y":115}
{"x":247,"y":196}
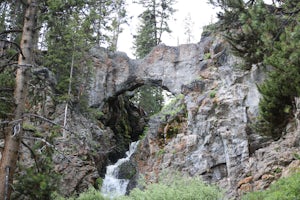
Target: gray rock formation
{"x":213,"y":138}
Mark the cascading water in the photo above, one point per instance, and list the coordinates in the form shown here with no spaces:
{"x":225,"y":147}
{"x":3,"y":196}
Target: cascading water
{"x":112,"y":186}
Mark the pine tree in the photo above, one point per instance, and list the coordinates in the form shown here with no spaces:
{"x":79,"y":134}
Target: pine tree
{"x":188,"y":28}
{"x":14,"y":133}
{"x":118,"y":19}
{"x":145,"y":39}
{"x":68,"y":27}
{"x":154,"y":22}
{"x":149,"y":98}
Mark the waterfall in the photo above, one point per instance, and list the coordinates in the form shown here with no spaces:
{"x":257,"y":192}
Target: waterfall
{"x":112,"y":186}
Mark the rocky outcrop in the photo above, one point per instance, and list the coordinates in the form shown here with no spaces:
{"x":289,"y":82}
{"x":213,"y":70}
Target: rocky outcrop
{"x":81,"y":157}
{"x":168,"y":67}
{"x":213,"y":139}
{"x":278,"y":159}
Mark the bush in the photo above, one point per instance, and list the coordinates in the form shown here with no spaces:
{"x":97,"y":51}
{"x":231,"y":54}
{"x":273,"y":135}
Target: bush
{"x":40,"y":180}
{"x":90,"y":194}
{"x":179,"y":188}
{"x":283,"y":189}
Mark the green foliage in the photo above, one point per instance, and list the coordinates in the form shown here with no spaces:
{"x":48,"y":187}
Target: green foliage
{"x":95,"y":113}
{"x":72,"y":28}
{"x":40,"y":180}
{"x":174,"y":107}
{"x":7,"y":83}
{"x":171,"y":187}
{"x":177,"y":188}
{"x":99,"y":182}
{"x":283,"y":189}
{"x":146,"y":129}
{"x":153,"y":25}
{"x":282,"y":85}
{"x":297,"y":156}
{"x":212,"y":94}
{"x":90,"y":194}
{"x":207,"y":56}
{"x":145,"y":39}
{"x":160,"y":152}
{"x":149,"y":98}
{"x":29,"y":127}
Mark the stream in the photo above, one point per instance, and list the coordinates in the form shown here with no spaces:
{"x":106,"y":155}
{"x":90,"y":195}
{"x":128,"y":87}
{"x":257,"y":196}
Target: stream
{"x":112,"y":186}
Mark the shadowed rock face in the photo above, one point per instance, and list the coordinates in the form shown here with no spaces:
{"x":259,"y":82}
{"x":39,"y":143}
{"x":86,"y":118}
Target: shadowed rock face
{"x":207,"y":132}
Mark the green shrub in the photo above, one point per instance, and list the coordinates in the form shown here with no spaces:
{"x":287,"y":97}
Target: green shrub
{"x":283,"y":189}
{"x":40,"y":180}
{"x":36,"y":184}
{"x":179,"y":188}
{"x":91,"y":194}
{"x":212,"y":94}
{"x":207,"y":56}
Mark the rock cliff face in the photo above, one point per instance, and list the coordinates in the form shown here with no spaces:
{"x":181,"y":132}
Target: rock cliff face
{"x":205,"y":131}
{"x":208,"y":130}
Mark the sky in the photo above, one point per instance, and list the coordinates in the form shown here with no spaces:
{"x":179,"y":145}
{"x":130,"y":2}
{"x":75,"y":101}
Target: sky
{"x":201,"y":13}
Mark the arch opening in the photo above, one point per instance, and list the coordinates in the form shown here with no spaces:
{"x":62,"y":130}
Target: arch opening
{"x":127,"y":114}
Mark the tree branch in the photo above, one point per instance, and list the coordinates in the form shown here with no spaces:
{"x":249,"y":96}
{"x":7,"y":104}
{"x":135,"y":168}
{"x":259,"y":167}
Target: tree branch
{"x":18,"y":46}
{"x":45,"y":119}
{"x":48,"y":144}
{"x":11,"y":31}
{"x":33,"y":155}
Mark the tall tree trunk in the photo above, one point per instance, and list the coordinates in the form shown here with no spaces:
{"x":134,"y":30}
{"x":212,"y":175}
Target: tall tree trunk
{"x":14,"y":134}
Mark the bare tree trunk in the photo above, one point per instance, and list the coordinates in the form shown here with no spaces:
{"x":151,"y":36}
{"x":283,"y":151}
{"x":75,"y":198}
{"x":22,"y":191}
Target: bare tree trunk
{"x":14,"y":133}
{"x":69,"y":93}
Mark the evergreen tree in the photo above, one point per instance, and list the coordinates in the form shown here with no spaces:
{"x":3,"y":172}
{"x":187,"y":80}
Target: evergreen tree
{"x":146,"y":39}
{"x":188,"y":28}
{"x":119,"y":18}
{"x":154,"y":22}
{"x":70,"y":28}
{"x":149,"y":98}
{"x":153,"y":25}
{"x":10,"y":28}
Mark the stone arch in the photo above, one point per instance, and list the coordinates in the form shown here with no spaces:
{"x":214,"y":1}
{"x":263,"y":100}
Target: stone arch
{"x":168,"y":67}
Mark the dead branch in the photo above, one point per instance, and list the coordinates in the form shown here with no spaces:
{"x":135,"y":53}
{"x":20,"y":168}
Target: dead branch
{"x":11,"y":31}
{"x":33,"y":155}
{"x":15,"y":44}
{"x":47,"y":120}
{"x":47,"y":143}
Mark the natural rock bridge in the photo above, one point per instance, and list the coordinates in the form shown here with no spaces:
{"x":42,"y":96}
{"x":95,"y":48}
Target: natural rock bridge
{"x":172,"y":68}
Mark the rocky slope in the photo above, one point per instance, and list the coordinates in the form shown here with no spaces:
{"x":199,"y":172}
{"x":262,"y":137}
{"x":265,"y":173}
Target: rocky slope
{"x":206,"y":131}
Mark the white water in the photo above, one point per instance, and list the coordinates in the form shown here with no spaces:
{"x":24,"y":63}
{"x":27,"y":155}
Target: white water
{"x":112,"y":186}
